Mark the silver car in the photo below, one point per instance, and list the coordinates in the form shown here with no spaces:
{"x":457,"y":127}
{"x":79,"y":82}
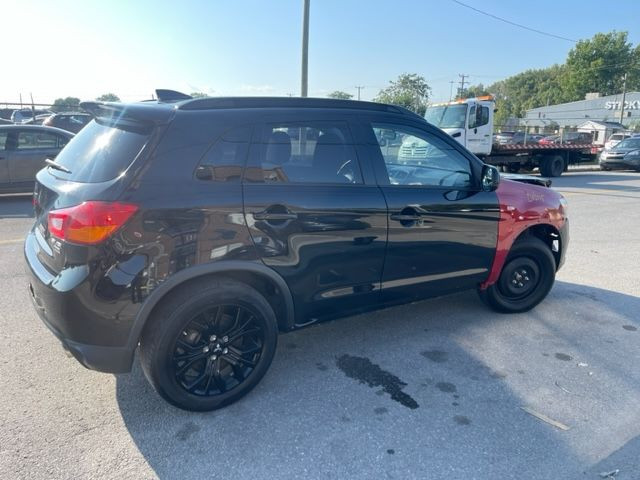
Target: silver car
{"x":625,"y":155}
{"x":23,"y":151}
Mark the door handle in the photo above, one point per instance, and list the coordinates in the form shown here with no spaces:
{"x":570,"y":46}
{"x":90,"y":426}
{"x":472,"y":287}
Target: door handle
{"x":405,"y":218}
{"x":274,"y":216}
{"x":275,"y":213}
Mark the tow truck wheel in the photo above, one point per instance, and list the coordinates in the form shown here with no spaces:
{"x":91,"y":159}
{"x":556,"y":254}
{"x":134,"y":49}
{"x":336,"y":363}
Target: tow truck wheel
{"x":526,"y":278}
{"x":552,"y":166}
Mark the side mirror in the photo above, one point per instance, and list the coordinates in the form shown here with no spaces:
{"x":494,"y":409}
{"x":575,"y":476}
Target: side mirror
{"x":490,"y":178}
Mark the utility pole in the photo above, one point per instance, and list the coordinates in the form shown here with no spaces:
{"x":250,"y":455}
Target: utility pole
{"x":451,"y":90}
{"x":305,"y":48}
{"x":462,"y":82}
{"x":359,"y":87}
{"x":624,"y":95}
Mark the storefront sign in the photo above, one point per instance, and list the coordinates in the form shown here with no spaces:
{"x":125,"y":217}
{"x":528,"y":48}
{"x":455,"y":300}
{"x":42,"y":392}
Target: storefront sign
{"x":634,"y":105}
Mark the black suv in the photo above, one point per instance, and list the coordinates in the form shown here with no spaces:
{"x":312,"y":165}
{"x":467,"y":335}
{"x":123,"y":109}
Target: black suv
{"x":197,"y":229}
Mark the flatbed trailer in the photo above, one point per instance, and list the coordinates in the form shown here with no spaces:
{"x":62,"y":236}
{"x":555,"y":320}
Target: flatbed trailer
{"x":551,"y":160}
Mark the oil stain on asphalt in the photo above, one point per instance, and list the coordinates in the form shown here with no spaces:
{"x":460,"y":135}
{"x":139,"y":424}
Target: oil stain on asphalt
{"x":630,"y":328}
{"x":361,"y":369}
{"x":461,"y":420}
{"x":187,"y":430}
{"x":563,"y":356}
{"x":446,"y":387}
{"x":437,"y":356}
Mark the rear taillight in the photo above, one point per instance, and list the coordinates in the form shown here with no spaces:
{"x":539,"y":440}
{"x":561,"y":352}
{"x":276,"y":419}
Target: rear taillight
{"x":90,"y":222}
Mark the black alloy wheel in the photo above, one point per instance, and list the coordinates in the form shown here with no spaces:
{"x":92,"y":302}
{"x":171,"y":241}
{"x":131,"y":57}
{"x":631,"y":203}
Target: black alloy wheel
{"x":208,"y":343}
{"x":217,"y":350}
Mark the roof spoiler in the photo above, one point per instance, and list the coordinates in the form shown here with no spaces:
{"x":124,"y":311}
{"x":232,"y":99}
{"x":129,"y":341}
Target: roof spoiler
{"x":139,"y":113}
{"x":165,"y":95}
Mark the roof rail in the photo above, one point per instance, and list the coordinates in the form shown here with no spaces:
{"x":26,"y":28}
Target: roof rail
{"x":287,"y":102}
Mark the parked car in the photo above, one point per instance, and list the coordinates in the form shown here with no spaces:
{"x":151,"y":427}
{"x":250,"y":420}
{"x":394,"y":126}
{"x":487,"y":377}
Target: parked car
{"x":615,"y":139}
{"x":503,"y":138}
{"x":577,"y":138}
{"x":38,"y":120}
{"x":519,"y":138}
{"x":549,"y":140}
{"x":199,"y":228}
{"x":72,"y":121}
{"x":624,"y":156}
{"x":23,"y":151}
{"x":26,"y":114}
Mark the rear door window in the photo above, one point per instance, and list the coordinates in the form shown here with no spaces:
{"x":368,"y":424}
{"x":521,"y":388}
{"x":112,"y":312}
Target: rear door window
{"x":101,"y":152}
{"x":304,"y":152}
{"x":32,"y":140}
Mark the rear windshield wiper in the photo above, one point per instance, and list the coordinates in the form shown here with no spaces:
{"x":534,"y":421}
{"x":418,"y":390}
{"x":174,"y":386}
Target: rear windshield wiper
{"x":50,"y":162}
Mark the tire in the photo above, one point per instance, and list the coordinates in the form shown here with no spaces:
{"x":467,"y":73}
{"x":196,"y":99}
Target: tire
{"x":513,"y":167}
{"x":193,"y":334}
{"x":530,"y":263}
{"x":552,"y":166}
{"x":605,"y":169}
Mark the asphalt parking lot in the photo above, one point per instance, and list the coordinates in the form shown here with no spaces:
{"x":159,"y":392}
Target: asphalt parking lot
{"x":434,"y":389}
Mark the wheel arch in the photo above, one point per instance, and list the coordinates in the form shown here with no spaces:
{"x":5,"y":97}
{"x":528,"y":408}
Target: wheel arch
{"x":548,"y":234}
{"x":257,"y":275}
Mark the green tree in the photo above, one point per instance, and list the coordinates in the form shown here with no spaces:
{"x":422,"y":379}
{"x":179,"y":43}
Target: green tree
{"x":599,"y":65}
{"x":530,"y":89}
{"x":594,"y":65}
{"x":198,"y":94}
{"x":108,"y":97}
{"x":339,"y":94}
{"x":410,"y":90}
{"x":474,"y":91}
{"x":65,"y":104}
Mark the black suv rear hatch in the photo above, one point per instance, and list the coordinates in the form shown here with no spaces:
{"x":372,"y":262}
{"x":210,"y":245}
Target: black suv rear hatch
{"x":96,"y":165}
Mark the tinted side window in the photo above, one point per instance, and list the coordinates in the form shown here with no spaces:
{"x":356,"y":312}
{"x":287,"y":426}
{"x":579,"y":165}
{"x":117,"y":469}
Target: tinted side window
{"x":34,"y":139}
{"x":225,"y":159}
{"x":419,"y":158}
{"x":312,"y":152}
{"x":3,"y":140}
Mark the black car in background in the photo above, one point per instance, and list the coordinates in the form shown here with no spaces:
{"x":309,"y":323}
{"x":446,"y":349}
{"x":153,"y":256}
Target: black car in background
{"x":197,"y":229}
{"x":23,"y":152}
{"x":70,"y":121}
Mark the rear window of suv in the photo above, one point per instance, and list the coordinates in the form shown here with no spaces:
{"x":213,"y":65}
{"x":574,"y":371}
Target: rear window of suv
{"x":99,"y":152}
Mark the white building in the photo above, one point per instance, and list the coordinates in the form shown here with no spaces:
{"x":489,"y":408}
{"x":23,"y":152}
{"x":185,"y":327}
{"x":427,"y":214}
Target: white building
{"x":601,"y":131}
{"x":595,"y":108}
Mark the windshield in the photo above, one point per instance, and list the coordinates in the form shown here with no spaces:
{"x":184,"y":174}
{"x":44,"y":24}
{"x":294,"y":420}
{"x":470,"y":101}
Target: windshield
{"x":447,"y":116}
{"x":629,"y":143}
{"x":100,"y":153}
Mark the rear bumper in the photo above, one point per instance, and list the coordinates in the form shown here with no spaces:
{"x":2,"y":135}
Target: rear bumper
{"x":60,"y":308}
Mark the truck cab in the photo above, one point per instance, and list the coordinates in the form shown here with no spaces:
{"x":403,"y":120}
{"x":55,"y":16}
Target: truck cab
{"x":469,"y":121}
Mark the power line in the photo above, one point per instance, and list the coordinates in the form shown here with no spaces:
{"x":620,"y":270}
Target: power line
{"x":513,"y":23}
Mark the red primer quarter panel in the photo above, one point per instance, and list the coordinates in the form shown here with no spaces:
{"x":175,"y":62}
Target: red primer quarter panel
{"x":522,"y":206}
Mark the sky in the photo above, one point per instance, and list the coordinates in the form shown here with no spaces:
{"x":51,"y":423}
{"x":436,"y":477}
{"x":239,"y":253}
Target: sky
{"x":250,"y":47}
